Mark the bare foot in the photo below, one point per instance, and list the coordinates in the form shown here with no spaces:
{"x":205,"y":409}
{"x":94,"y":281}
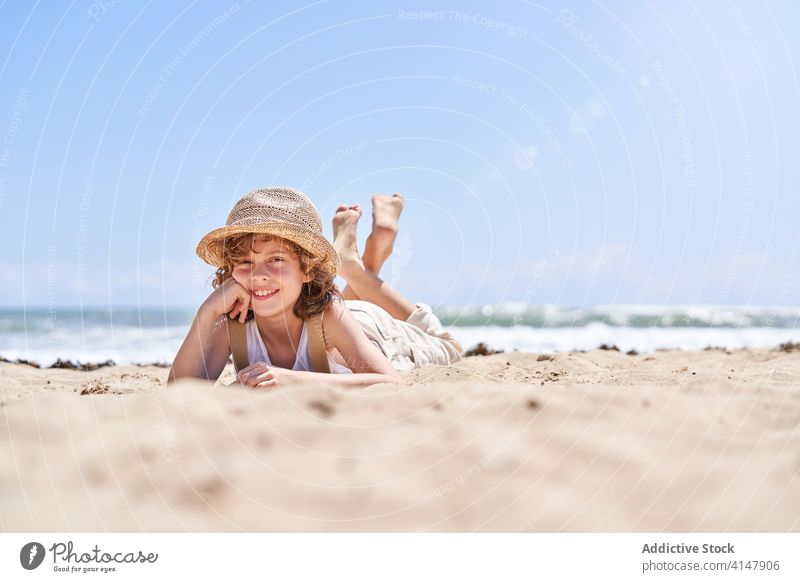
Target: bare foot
{"x":345,"y":222}
{"x":385,"y":214}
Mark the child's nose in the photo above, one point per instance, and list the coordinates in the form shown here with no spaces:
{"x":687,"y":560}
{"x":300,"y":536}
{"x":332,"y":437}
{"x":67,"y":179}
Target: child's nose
{"x":262,"y":271}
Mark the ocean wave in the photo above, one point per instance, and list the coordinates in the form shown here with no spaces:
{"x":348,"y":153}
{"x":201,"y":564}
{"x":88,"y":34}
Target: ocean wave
{"x":139,"y":336}
{"x":635,"y":316}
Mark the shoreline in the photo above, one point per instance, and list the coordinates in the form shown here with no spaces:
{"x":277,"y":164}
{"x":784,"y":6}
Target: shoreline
{"x":480,"y":349}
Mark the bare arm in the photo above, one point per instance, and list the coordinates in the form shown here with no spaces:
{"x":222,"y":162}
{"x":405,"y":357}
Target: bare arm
{"x":368,"y":363}
{"x":205,"y":351}
{"x":207,"y":346}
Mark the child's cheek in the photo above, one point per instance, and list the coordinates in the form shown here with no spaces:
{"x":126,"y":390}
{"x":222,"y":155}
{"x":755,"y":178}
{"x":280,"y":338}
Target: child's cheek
{"x":239,"y":276}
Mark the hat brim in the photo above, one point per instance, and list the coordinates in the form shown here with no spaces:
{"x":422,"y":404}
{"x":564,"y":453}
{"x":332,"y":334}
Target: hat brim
{"x":211,"y":245}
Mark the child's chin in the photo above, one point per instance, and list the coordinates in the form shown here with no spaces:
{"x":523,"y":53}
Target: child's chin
{"x":264,"y":306}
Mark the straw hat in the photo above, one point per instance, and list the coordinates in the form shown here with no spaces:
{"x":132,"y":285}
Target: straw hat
{"x":279,"y":211}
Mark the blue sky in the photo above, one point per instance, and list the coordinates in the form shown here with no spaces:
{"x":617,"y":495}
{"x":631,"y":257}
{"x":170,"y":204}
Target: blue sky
{"x":574,"y":153}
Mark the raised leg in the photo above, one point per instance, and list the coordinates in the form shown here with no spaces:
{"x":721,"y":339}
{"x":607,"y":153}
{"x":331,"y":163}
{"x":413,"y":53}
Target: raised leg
{"x":348,"y":293}
{"x":385,"y":215}
{"x":372,"y":288}
{"x":341,"y":223}
{"x":364,"y":282}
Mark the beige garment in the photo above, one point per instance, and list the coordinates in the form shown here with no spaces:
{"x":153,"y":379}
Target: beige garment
{"x":409,"y":344}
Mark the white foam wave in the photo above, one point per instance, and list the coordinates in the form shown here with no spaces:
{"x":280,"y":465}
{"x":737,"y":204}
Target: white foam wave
{"x":547,"y":340}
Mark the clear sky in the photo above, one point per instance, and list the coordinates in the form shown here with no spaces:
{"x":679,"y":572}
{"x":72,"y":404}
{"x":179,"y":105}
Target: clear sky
{"x":573,"y":153}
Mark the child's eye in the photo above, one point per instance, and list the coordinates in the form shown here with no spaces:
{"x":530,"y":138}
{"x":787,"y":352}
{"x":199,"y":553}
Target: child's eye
{"x":246,"y":262}
{"x":277,"y":259}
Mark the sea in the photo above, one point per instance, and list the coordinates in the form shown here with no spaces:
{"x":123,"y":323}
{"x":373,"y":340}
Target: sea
{"x":152,"y":335}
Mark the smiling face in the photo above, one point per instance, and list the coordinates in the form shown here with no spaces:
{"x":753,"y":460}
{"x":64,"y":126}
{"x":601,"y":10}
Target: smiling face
{"x":272,"y":274}
{"x":246,"y":258}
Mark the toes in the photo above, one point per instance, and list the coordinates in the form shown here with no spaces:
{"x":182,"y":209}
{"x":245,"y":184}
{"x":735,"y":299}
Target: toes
{"x":344,"y":207}
{"x":377,"y":198}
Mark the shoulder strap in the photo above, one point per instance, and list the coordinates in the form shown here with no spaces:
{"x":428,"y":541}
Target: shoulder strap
{"x":237,"y":331}
{"x":316,"y":345}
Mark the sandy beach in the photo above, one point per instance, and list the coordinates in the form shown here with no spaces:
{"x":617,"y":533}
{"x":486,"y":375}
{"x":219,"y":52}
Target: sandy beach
{"x":580,"y":441}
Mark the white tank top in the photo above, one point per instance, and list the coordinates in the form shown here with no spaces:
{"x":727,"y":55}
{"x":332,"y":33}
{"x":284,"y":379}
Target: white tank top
{"x":257,"y":351}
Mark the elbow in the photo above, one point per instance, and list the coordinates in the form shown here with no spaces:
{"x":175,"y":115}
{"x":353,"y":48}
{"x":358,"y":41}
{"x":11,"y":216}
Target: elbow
{"x":176,"y":371}
{"x":175,"y":376}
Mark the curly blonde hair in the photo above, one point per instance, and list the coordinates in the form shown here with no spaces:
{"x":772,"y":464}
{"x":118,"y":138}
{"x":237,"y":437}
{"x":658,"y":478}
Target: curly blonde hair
{"x":316,"y":294}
